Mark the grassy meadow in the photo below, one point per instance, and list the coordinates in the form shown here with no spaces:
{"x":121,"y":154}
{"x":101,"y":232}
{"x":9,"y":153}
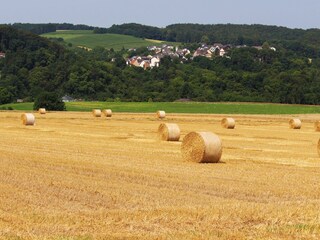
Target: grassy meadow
{"x":179,"y":107}
{"x":87,"y":38}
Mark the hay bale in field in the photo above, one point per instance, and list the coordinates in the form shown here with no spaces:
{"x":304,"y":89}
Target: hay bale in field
{"x":161,"y":114}
{"x":317,"y":126}
{"x":169,"y":132}
{"x":42,"y":111}
{"x":229,"y":123}
{"x":295,"y":123}
{"x":96,"y":112}
{"x":28,"y":119}
{"x":201,"y":147}
{"x":107,"y":112}
{"x":319,"y":147}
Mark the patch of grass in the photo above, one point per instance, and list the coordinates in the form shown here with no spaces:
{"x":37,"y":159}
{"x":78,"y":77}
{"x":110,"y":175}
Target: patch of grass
{"x":88,"y":39}
{"x":192,"y":107}
{"x":28,"y":106}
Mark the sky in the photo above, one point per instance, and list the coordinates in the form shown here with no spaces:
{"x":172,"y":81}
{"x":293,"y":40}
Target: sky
{"x":104,"y":13}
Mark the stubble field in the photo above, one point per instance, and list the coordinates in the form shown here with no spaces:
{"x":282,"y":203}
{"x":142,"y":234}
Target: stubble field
{"x":72,"y":176}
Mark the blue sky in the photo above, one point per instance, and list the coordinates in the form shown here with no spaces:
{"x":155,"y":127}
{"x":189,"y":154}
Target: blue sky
{"x":103,"y":13}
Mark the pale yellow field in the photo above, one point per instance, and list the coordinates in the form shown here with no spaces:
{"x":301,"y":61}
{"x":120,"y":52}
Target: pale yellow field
{"x":73,"y":176}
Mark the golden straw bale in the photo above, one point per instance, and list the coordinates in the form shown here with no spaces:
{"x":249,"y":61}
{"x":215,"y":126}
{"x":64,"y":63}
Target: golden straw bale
{"x":169,"y":132}
{"x":96,"y":112}
{"x":229,"y":123}
{"x":317,"y":126}
{"x":161,"y":114}
{"x":107,"y":112}
{"x":42,"y":111}
{"x":295,"y":123}
{"x":201,"y":147}
{"x":319,"y":147}
{"x":28,"y":119}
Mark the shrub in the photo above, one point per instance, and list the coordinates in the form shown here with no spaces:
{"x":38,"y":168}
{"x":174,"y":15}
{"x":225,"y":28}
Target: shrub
{"x":49,"y":101}
{"x":5,"y":96}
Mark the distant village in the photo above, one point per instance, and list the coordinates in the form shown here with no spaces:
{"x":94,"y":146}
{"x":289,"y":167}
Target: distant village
{"x":151,"y":61}
{"x":184,"y":54}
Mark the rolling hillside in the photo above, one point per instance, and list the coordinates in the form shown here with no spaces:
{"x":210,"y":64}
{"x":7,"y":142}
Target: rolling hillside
{"x":87,"y":38}
{"x":34,"y":65}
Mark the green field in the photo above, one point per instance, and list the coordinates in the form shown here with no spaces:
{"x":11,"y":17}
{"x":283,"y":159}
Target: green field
{"x":87,"y":38}
{"x":191,"y":107}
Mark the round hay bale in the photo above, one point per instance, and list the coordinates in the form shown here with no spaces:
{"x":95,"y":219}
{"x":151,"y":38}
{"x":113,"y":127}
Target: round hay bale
{"x":96,"y":112}
{"x":295,"y":123}
{"x":228,"y":123}
{"x":317,"y":126}
{"x":42,"y":111}
{"x":107,"y":112}
{"x":169,"y":132}
{"x":319,"y":147}
{"x":28,"y":119}
{"x":161,"y":114}
{"x":201,"y":147}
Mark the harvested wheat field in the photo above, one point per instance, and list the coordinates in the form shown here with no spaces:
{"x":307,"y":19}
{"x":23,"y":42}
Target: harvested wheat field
{"x":72,"y":176}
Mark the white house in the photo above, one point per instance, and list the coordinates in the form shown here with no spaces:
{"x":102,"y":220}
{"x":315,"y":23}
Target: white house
{"x":155,"y":62}
{"x":67,"y":98}
{"x":222,"y":52}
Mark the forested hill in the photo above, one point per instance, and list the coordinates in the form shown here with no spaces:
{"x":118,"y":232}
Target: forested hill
{"x":236,"y":34}
{"x":40,"y":28}
{"x":30,"y":65}
{"x":14,"y":40}
{"x":223,"y":33}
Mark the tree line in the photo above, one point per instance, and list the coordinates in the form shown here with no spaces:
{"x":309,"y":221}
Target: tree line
{"x":41,"y":28}
{"x":236,"y":34}
{"x":34,"y":65}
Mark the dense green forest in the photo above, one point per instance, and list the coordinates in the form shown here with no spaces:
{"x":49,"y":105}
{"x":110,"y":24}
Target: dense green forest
{"x":223,"y":33}
{"x":237,"y":34}
{"x":41,"y":28}
{"x":33,"y":65}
